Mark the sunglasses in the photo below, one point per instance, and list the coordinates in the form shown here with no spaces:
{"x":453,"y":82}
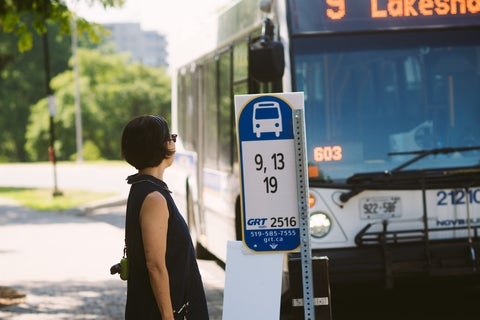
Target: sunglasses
{"x":173,"y":137}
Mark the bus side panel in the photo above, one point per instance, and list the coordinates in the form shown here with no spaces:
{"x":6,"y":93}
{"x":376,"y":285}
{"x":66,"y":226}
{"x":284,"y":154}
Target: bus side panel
{"x":219,"y":205}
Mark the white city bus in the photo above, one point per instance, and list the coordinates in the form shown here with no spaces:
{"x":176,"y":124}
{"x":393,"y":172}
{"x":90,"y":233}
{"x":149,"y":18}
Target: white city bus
{"x":392,"y":108}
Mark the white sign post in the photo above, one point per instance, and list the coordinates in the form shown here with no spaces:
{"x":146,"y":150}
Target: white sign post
{"x":268,"y":171}
{"x":271,"y":142}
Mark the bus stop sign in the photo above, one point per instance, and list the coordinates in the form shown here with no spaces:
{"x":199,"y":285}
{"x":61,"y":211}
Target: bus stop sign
{"x":268,"y":172}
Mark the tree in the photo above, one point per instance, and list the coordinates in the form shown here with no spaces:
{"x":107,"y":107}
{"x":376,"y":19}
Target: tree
{"x":23,"y":83}
{"x":113,"y":91}
{"x":23,"y":24}
{"x":22,"y":17}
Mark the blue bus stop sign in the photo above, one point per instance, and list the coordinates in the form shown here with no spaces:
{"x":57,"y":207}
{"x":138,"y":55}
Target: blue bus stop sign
{"x":268,"y":173}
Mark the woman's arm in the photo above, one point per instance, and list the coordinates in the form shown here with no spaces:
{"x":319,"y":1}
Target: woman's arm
{"x":154,"y":224}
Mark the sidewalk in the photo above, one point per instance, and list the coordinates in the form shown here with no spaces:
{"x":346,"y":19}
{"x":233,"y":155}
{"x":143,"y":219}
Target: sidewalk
{"x":61,"y":262}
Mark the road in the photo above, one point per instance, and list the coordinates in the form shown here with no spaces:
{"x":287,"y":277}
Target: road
{"x":62,"y":260}
{"x":103,"y":176}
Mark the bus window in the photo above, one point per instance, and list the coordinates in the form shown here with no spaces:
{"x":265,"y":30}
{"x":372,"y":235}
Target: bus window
{"x":226,"y":118}
{"x":210,"y":128}
{"x":380,"y":98}
{"x":187,"y":110}
{"x":240,"y":61}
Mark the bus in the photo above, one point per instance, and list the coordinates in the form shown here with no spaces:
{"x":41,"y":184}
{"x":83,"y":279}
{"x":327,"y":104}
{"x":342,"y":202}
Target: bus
{"x":392,"y":116}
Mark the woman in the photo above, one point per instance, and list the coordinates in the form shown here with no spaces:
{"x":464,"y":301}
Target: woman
{"x":164,"y":281}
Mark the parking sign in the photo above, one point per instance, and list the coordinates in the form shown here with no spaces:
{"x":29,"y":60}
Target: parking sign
{"x":268,"y":170}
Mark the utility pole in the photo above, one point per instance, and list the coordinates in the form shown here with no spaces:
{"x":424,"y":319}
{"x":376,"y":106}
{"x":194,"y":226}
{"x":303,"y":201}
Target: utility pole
{"x":78,"y":108}
{"x":52,"y":111}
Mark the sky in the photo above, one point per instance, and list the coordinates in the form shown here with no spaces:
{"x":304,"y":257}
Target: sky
{"x":187,"y":24}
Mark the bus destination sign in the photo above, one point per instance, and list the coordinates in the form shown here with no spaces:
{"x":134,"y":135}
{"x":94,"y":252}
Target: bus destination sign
{"x":270,"y":209}
{"x":364,"y":15}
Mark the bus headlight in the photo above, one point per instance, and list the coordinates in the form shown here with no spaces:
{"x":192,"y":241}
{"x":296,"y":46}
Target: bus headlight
{"x":320,"y":224}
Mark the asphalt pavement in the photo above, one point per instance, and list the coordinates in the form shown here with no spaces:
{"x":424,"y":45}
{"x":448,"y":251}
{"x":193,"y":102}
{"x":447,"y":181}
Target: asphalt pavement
{"x":60,"y":261}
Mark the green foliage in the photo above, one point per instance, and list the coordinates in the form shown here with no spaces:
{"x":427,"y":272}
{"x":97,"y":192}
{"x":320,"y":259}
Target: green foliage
{"x":90,"y":152}
{"x":113,"y":90}
{"x":23,"y":18}
{"x":22,"y":84}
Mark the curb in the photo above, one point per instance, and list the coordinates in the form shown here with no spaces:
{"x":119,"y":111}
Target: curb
{"x":103,"y":204}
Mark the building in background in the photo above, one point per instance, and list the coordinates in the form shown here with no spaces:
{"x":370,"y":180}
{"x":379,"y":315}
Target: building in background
{"x":147,"y":47}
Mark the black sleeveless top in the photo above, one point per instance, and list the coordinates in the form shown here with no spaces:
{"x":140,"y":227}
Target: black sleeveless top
{"x":185,"y":280}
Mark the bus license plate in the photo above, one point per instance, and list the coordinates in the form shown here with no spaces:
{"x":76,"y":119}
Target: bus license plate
{"x":380,"y":207}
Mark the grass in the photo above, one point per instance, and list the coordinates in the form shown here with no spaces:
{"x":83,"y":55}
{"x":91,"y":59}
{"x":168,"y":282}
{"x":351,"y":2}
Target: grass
{"x":44,"y":200}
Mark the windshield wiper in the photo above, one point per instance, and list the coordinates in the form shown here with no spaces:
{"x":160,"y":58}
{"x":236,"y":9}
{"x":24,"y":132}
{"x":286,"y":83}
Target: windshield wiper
{"x":364,"y":178}
{"x":423,"y":153}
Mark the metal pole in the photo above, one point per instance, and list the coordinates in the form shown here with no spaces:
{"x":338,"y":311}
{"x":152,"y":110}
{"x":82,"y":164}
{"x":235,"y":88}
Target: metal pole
{"x":78,"y":110}
{"x":51,"y":105}
{"x":302,"y":182}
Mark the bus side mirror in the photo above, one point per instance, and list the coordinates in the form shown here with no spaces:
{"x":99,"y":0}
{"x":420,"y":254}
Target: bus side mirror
{"x":266,"y":61}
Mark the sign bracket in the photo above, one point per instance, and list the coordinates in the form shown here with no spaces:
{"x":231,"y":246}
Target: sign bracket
{"x":302,"y":194}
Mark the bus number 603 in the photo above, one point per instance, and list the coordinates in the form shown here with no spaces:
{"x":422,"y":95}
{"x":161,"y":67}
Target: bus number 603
{"x":327,"y":153}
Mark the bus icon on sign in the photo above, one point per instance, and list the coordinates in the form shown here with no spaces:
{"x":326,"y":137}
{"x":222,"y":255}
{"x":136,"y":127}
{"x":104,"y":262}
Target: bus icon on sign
{"x":267,"y":118}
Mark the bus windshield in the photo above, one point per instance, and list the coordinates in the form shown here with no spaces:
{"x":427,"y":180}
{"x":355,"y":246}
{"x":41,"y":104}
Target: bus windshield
{"x":370,"y":99}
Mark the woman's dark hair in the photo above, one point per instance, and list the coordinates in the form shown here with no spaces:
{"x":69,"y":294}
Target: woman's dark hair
{"x":143,"y":141}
